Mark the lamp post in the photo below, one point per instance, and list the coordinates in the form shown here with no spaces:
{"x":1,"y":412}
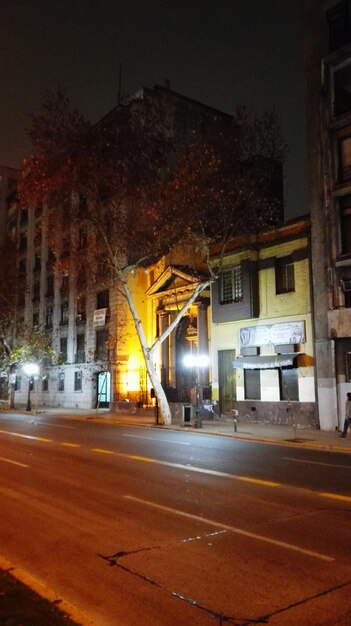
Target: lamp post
{"x":31,"y":370}
{"x":196,"y":362}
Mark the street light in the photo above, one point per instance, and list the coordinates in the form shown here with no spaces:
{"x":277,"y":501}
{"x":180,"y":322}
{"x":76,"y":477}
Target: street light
{"x":31,"y":370}
{"x":197,"y":361}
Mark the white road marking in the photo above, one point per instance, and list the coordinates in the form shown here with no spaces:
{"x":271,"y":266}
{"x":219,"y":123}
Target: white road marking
{"x":237,"y":531}
{"x":56,"y":425}
{"x":13,"y":462}
{"x":179,"y":443}
{"x":288,"y":458}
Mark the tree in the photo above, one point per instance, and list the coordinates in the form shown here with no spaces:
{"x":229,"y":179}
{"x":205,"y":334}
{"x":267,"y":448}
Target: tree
{"x":138,"y":191}
{"x":9,"y":286}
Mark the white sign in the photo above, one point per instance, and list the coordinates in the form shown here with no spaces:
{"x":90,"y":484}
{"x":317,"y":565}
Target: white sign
{"x":276,"y":334}
{"x":99,"y":317}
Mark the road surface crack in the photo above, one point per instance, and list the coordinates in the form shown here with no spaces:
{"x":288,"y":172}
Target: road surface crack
{"x":114,"y":560}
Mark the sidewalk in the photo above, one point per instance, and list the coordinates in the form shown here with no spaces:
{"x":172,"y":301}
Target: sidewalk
{"x":273,"y":433}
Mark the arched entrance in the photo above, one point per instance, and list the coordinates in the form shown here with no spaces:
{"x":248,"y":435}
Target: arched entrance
{"x":103,"y":390}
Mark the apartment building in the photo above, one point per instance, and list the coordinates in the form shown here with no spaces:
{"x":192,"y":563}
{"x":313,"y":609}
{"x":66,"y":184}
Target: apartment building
{"x":91,"y":328}
{"x":327,"y":55}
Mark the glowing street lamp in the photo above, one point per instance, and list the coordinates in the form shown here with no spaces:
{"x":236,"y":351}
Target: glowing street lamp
{"x":31,"y":370}
{"x":197,"y":361}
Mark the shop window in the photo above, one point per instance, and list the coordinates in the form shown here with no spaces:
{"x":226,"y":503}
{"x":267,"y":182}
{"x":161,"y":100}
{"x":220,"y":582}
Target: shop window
{"x":231,"y":288}
{"x":252,"y":384}
{"x":345,"y":224}
{"x":288,"y":383}
{"x":78,"y":381}
{"x":61,"y":381}
{"x":284,"y":275}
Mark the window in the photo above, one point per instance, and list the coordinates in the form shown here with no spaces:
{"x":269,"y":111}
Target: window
{"x":36,"y":319}
{"x":102,"y":299}
{"x":64,"y":314}
{"x":345,"y":224}
{"x":22,"y":268}
{"x":284,"y":275}
{"x":82,"y":239}
{"x":342,"y":88}
{"x":45,"y":384}
{"x":18,"y":383}
{"x":348,"y":366}
{"x":61,"y":382}
{"x":37,"y":262}
{"x":80,"y":343}
{"x":78,"y":381}
{"x":65,"y":283}
{"x":339,"y":25}
{"x":101,"y":344}
{"x":50,"y":286}
{"x":48,"y":318}
{"x":23,"y":243}
{"x":36,"y":291}
{"x":63,"y":348}
{"x":344,"y":154}
{"x":252,"y":384}
{"x":288,"y":383}
{"x":231,"y":289}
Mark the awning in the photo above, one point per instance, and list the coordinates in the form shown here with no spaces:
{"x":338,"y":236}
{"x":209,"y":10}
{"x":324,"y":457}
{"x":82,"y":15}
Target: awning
{"x":266,"y":362}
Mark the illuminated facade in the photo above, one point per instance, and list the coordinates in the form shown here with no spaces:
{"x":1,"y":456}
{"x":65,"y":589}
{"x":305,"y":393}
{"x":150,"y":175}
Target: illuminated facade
{"x":261,"y":330}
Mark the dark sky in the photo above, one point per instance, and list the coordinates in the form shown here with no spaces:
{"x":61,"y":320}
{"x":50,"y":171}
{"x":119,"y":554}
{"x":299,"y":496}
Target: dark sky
{"x":220,"y":52}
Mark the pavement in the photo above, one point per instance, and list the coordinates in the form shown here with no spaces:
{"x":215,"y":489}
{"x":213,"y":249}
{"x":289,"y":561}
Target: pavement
{"x":25,"y":603}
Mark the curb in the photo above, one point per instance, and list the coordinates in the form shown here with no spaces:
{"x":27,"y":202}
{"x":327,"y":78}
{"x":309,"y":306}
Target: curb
{"x":46,"y":593}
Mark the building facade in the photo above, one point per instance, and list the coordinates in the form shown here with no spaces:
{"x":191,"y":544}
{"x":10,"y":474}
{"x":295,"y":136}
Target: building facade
{"x":86,"y":316}
{"x":261,"y":332}
{"x":327,"y":55}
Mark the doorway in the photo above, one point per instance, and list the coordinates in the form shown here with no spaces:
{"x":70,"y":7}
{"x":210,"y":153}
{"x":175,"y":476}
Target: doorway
{"x":103,"y":390}
{"x":226,"y":380}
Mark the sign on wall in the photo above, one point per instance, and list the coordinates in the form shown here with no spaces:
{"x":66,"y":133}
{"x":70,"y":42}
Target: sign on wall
{"x":99,"y":317}
{"x":276,"y":334}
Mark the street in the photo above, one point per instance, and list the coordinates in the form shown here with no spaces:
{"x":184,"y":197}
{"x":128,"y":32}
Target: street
{"x":140,"y":526}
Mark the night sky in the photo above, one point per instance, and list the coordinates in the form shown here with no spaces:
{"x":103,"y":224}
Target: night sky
{"x":220,"y":52}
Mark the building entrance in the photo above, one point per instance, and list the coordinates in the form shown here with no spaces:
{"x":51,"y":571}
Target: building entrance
{"x":103,"y":390}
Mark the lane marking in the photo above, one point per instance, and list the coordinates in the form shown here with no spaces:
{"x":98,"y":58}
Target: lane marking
{"x":187,"y":467}
{"x":178,"y":443}
{"x":13,"y":462}
{"x":102,"y":451}
{"x":288,"y":458}
{"x":233,"y":529}
{"x":7,"y":432}
{"x":57,"y":425}
{"x":70,"y":445}
{"x":334,"y":496}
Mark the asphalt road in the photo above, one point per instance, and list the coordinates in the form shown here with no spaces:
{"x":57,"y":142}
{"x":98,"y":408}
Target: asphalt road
{"x":139,"y":526}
